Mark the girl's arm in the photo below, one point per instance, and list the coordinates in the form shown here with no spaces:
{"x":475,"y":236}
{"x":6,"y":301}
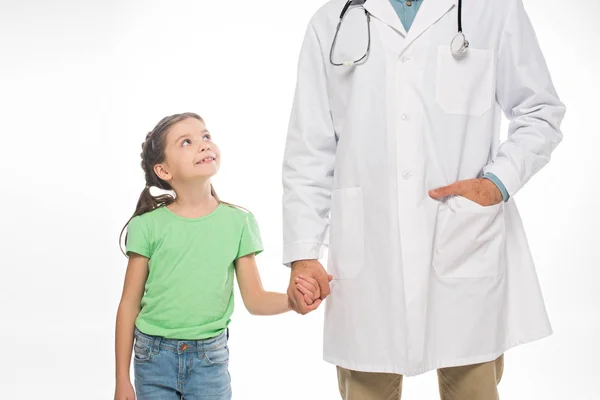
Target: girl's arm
{"x":129,"y":308}
{"x":256,"y":299}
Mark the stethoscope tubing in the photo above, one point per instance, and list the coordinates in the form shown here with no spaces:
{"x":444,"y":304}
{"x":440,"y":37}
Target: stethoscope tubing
{"x":461,"y":50}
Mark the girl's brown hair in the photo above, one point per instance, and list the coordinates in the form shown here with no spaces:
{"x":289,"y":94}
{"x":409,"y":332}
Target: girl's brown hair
{"x":153,"y":152}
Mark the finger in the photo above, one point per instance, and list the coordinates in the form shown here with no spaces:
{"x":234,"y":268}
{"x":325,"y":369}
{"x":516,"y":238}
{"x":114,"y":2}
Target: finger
{"x":314,"y":293}
{"x":301,"y":303}
{"x":323,"y":280}
{"x":306,"y":293}
{"x":311,"y":295}
{"x":315,"y":284}
{"x":314,"y":306}
{"x":458,"y":188}
{"x":310,"y":283}
{"x":330,"y":277}
{"x":308,"y":300}
{"x":310,"y":291}
{"x":444,"y":191}
{"x":294,"y":296}
{"x":309,"y":279}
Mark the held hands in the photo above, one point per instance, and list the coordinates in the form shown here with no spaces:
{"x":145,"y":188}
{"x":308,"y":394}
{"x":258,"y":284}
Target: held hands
{"x":309,"y":286}
{"x":480,"y":190}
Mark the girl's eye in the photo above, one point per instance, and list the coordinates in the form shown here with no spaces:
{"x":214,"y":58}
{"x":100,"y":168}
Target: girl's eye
{"x":185,"y":142}
{"x":207,"y":136}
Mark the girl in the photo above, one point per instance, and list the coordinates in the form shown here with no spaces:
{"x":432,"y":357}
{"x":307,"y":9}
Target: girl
{"x":178,"y":294}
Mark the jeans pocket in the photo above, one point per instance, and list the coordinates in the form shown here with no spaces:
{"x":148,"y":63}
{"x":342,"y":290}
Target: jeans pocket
{"x":141,"y":351}
{"x":217,"y":356}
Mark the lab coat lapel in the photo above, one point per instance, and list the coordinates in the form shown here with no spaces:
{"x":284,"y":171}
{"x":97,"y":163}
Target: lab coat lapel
{"x":429,"y":13}
{"x":396,"y":38}
{"x":384,"y":12}
{"x":387,"y":23}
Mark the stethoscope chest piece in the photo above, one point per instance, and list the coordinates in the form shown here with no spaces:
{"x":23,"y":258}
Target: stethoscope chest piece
{"x":459,"y":44}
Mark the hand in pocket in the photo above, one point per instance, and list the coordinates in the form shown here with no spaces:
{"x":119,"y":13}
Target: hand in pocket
{"x":480,"y":190}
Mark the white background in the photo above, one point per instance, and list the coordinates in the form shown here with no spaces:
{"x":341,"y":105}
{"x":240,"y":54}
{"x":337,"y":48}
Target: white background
{"x":82,"y":82}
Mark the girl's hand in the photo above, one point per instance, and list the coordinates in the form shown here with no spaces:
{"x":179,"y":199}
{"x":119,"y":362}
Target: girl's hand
{"x":124,"y":391}
{"x":309,"y":287}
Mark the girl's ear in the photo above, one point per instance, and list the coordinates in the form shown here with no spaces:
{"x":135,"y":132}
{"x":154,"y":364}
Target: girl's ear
{"x":161,"y":171}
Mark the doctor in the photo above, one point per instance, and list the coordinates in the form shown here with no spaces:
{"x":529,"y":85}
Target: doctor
{"x":393,"y":161}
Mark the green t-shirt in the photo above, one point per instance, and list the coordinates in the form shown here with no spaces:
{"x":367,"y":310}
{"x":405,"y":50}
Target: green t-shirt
{"x":189,"y":290}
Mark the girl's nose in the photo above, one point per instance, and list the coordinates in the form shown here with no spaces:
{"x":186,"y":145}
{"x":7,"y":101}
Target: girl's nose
{"x":204,"y":146}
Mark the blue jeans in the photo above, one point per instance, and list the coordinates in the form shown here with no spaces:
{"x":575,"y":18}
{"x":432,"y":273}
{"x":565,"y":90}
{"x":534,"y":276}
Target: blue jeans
{"x":181,"y":369}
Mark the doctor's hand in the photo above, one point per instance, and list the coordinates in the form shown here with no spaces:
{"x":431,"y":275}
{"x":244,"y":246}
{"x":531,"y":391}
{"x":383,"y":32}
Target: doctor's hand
{"x":310,"y":270}
{"x":480,"y":190}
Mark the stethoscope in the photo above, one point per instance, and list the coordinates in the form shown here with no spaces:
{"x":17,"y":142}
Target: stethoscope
{"x":458,"y":46}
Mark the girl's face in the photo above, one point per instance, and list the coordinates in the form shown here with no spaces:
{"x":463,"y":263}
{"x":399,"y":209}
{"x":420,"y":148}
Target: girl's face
{"x":190,"y":153}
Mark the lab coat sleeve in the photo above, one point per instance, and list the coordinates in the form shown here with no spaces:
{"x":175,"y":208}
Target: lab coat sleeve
{"x":525,"y":92}
{"x":309,"y":158}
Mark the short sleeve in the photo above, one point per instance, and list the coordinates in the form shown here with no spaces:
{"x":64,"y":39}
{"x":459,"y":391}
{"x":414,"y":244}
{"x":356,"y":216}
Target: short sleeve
{"x":250,"y":241}
{"x":138,"y":237}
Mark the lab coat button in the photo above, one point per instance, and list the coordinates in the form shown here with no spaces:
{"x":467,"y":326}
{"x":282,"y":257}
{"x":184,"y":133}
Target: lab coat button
{"x":407,"y":175}
{"x":405,"y":117}
{"x":404,"y":60}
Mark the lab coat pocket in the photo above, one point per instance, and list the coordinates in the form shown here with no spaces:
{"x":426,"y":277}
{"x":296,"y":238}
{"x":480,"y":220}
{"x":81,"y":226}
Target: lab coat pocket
{"x":465,"y":84}
{"x":346,"y":235}
{"x":470,"y":240}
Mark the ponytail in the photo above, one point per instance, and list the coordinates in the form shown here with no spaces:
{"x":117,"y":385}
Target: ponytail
{"x":147,"y":203}
{"x":214,"y":194}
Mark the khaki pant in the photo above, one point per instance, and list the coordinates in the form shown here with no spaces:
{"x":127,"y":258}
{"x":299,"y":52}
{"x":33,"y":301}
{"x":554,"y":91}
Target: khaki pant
{"x":469,"y":382}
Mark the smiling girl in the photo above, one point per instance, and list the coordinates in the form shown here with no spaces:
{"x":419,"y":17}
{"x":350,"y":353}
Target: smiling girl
{"x":184,"y":250}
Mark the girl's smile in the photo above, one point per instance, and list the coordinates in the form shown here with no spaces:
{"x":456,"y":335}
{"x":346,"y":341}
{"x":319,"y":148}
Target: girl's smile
{"x":207,"y":160}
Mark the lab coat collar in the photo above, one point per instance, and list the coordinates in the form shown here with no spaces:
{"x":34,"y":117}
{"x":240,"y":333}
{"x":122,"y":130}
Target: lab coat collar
{"x":397,"y":39}
{"x":383,"y":11}
{"x":429,"y":13}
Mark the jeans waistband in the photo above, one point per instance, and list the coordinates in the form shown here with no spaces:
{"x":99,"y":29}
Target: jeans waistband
{"x":182,"y":346}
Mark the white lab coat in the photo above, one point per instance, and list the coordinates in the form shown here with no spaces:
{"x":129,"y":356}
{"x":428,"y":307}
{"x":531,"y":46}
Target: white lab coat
{"x":419,"y":284}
